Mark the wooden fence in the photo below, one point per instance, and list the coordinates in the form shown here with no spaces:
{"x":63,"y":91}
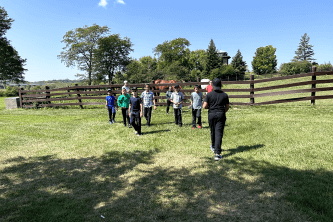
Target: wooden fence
{"x":76,"y":94}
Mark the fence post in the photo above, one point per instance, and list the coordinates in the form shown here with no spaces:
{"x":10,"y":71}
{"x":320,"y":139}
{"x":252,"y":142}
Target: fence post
{"x":47,"y":94}
{"x":252,"y":88}
{"x":21,"y":98}
{"x":78,"y":95}
{"x":313,"y":85}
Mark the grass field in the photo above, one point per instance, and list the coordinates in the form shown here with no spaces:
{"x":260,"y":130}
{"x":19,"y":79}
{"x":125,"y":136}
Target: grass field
{"x":72,"y":165}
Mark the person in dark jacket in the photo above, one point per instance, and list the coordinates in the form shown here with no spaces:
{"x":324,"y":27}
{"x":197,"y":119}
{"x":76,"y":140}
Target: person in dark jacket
{"x":217,"y":103}
{"x":168,"y":95}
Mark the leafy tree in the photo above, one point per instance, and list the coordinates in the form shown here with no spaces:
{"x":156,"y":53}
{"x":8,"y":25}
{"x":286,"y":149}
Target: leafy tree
{"x":11,"y":64}
{"x":213,"y":60}
{"x":222,"y":72}
{"x":304,"y":51}
{"x":112,"y":55}
{"x":81,"y":44}
{"x":198,"y":59}
{"x":238,"y":65}
{"x":264,"y":61}
{"x":175,"y":50}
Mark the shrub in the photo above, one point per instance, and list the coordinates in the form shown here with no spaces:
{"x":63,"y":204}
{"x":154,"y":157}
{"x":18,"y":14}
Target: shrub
{"x":325,"y":67}
{"x":11,"y":91}
{"x":293,"y":68}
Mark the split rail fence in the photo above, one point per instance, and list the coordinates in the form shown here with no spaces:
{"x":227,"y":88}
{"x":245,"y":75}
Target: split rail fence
{"x":75,"y":95}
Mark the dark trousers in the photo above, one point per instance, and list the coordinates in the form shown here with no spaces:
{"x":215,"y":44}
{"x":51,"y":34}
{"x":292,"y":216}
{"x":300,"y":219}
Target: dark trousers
{"x":124,"y":111}
{"x":136,"y":121}
{"x":216,"y":124}
{"x":169,"y":103}
{"x":147,"y":114}
{"x":178,"y":116}
{"x":196,"y":113}
{"x":111,"y":115}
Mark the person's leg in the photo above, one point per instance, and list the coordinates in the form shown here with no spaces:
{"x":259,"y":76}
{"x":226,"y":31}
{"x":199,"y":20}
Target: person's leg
{"x":193,"y":117}
{"x":175,"y":111}
{"x":139,"y":123}
{"x":110,"y":114}
{"x":133,"y":121}
{"x":128,"y":118}
{"x":168,"y":105}
{"x":211,"y":120}
{"x":180,"y":117}
{"x":114,"y":115}
{"x":145,"y":112}
{"x":219,"y":127}
{"x":123,"y":112}
{"x":198,"y":114}
{"x":149,"y":115}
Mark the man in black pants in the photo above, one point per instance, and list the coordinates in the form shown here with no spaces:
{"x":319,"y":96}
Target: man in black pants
{"x":217,"y":102}
{"x":135,"y":111}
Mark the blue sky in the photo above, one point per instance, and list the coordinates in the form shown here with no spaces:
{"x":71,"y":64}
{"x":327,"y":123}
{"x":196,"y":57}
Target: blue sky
{"x":40,"y":25}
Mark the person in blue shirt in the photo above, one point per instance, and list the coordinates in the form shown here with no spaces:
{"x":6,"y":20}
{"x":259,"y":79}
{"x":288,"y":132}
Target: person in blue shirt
{"x":111,"y":106}
{"x":148,"y":103}
{"x":196,"y":103}
{"x":135,"y":111}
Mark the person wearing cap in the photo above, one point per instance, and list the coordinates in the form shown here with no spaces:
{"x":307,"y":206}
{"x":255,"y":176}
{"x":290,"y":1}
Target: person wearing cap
{"x":111,"y":106}
{"x":177,"y":98}
{"x":217,"y":103}
{"x":125,"y":86}
{"x":148,"y":102}
{"x":135,"y":111}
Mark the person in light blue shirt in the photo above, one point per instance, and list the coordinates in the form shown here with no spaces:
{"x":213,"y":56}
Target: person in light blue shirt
{"x":177,"y":98}
{"x":196,"y":103}
{"x":148,"y":102}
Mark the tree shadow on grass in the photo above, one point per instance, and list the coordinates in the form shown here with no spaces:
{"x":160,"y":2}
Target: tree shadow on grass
{"x":241,"y":149}
{"x":139,"y":186}
{"x":155,"y":131}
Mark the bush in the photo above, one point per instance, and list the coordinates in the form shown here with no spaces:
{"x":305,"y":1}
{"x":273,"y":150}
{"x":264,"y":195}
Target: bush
{"x":223,"y":72}
{"x":11,"y":91}
{"x":293,"y":68}
{"x":324,"y":67}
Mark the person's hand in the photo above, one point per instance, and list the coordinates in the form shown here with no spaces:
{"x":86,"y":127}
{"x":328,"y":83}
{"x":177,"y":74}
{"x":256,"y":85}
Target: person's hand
{"x":141,"y":115}
{"x":155,"y":107}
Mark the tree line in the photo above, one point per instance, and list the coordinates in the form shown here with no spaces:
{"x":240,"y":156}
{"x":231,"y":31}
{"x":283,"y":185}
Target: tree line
{"x":104,"y":58}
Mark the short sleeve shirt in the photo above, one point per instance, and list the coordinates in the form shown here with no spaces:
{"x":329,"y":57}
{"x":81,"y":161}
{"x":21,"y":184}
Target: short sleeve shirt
{"x":125,"y":87}
{"x":111,"y":101}
{"x":216,"y":101}
{"x":197,"y":100}
{"x":147,"y":98}
{"x":209,"y":88}
{"x":176,"y":98}
{"x":135,"y":104}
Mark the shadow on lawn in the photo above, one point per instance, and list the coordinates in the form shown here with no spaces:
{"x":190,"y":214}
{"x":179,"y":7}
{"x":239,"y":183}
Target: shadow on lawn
{"x":134,"y":187}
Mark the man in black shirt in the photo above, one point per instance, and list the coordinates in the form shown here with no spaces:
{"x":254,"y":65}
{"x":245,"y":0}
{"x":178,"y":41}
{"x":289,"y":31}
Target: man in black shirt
{"x":135,"y":111}
{"x":217,"y":102}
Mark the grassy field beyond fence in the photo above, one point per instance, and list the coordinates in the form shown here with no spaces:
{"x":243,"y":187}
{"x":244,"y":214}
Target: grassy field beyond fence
{"x":68,"y":164}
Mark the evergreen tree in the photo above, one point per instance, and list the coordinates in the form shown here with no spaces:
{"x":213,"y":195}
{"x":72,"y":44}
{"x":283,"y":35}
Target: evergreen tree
{"x":304,"y":51}
{"x":239,"y":65}
{"x":213,"y":60}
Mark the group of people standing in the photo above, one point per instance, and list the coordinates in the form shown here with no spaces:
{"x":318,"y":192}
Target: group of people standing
{"x":134,"y":107}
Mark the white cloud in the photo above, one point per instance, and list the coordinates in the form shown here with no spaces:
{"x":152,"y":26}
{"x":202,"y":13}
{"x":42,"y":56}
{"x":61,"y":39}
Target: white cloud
{"x":121,"y":2}
{"x":102,"y":3}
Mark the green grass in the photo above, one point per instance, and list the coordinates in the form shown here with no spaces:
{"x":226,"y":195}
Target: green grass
{"x":68,"y":164}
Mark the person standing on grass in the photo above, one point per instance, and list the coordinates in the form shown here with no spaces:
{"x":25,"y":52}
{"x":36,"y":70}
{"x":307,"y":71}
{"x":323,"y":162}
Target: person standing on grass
{"x":135,"y":111}
{"x":209,"y":88}
{"x":148,"y":102}
{"x":125,"y":86}
{"x":177,"y":98}
{"x":111,"y":106}
{"x":123,"y":102}
{"x":196,"y":103}
{"x":168,"y":95}
{"x":217,"y":103}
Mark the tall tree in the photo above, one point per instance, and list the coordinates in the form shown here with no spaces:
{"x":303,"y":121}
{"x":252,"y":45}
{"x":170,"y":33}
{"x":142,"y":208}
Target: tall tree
{"x":304,"y":51}
{"x":264,"y":61}
{"x":81,"y":44}
{"x":238,"y":64}
{"x":213,"y":60}
{"x":175,"y":50}
{"x":11,"y":64}
{"x":112,"y":55}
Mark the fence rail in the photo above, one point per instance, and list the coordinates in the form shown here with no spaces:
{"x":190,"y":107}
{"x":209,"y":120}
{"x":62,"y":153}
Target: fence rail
{"x":45,"y":97}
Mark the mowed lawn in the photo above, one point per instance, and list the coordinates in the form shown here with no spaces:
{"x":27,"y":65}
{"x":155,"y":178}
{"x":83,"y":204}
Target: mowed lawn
{"x":72,"y":165}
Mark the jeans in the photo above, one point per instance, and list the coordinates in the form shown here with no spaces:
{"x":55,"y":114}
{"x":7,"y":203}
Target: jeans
{"x":147,"y":114}
{"x":136,"y":121}
{"x":216,"y":124}
{"x":196,"y":113}
{"x":178,"y":116}
{"x":112,"y":114}
{"x":169,"y":103}
{"x":124,"y":111}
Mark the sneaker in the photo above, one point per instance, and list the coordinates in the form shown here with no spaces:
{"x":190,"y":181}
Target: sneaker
{"x":199,"y":126}
{"x":136,"y":132}
{"x":193,"y":127}
{"x":212,"y":149}
{"x":110,"y":122}
{"x":129,"y":126}
{"x":113,"y":121}
{"x":217,"y":157}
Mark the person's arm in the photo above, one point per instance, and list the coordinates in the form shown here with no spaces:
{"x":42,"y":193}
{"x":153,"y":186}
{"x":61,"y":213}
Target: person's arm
{"x":205,"y":105}
{"x":226,"y":108}
{"x":141,"y":108}
{"x":129,"y":109}
{"x":106,"y":104}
